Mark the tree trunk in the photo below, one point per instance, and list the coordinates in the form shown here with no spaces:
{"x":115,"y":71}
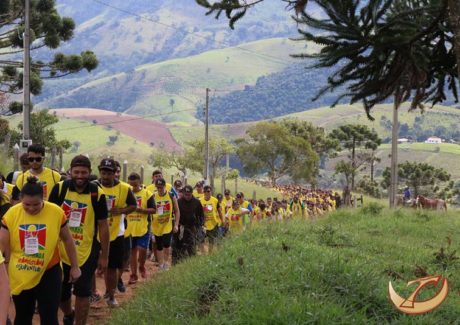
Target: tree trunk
{"x":372,"y":168}
{"x":394,"y":151}
{"x":454,"y":15}
{"x":353,"y":165}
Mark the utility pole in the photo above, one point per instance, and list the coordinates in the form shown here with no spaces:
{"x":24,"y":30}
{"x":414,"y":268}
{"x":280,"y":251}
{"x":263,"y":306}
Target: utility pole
{"x":206,"y":140}
{"x":394,"y":154}
{"x":26,"y":73}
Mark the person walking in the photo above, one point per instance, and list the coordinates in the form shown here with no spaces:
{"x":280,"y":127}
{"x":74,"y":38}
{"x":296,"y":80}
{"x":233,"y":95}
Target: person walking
{"x":162,"y":225}
{"x":139,"y":223}
{"x":30,"y":236}
{"x":46,"y":177}
{"x":120,"y":201}
{"x":191,"y":221}
{"x":85,"y":208}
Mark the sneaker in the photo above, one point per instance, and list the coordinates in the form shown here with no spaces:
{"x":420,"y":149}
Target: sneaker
{"x":69,"y":319}
{"x":142,"y":271}
{"x":95,"y":297}
{"x":121,"y":286}
{"x":112,"y":302}
{"x":106,"y":295}
{"x":132,"y":279}
{"x":164,"y":267}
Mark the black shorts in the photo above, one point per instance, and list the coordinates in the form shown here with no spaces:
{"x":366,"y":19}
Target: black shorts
{"x":212,"y":235}
{"x":116,"y":253}
{"x":81,"y":288}
{"x":163,"y":241}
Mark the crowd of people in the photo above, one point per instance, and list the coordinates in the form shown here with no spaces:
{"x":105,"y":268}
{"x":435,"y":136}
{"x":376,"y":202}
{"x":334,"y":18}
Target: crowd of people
{"x":98,"y":225}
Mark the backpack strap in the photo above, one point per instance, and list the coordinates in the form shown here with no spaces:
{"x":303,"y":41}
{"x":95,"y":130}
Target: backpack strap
{"x":63,"y":187}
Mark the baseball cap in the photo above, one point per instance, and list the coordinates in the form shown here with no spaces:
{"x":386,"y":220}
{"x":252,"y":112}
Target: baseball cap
{"x":160,"y":182}
{"x":80,"y":160}
{"x":107,"y":164}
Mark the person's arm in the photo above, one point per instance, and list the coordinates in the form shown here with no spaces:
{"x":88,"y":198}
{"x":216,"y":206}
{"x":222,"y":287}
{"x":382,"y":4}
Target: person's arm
{"x":101,"y":213}
{"x":131,"y":205}
{"x":151,"y":208}
{"x":4,"y":292}
{"x":177,"y":214}
{"x":5,"y":243}
{"x":199,"y":213}
{"x":54,"y":195}
{"x":71,"y":251}
{"x":219,"y":211}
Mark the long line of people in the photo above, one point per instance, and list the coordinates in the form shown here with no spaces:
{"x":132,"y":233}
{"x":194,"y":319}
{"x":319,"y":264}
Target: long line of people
{"x":102,"y":226}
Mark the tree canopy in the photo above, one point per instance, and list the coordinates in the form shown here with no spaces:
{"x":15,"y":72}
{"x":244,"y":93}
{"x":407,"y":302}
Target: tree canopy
{"x":423,"y":178}
{"x":385,"y":48}
{"x":269,"y":147}
{"x":48,"y":30}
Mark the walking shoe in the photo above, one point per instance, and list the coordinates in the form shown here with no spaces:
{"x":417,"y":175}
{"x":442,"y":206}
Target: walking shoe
{"x":112,"y":302}
{"x":68,"y":319}
{"x":121,"y":286}
{"x":95,"y":297}
{"x":132,"y":279}
{"x":106,"y":295}
{"x":142,"y":271}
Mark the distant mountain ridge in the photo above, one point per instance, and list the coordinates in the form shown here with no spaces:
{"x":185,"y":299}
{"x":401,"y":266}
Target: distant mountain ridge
{"x":126,"y":34}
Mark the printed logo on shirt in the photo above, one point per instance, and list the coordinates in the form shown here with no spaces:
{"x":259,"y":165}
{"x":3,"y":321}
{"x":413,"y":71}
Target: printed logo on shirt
{"x":32,"y":237}
{"x":75,"y":209}
{"x":139,"y":201}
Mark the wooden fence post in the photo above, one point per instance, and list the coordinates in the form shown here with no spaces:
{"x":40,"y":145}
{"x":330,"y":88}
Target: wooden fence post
{"x":125,"y":171}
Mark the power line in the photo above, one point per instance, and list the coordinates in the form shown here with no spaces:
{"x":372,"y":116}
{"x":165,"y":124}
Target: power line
{"x":267,"y":57}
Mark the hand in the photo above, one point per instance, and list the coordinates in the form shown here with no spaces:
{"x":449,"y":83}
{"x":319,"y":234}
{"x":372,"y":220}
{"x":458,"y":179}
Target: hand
{"x":176,"y":229}
{"x":140,"y":210}
{"x":115,"y":211}
{"x":75,"y":273}
{"x":102,"y":265}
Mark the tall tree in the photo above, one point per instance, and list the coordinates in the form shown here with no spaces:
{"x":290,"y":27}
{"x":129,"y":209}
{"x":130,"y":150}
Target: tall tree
{"x":176,"y":159}
{"x":270,"y":148}
{"x":423,"y":178}
{"x":48,"y":30}
{"x":218,"y":150}
{"x":353,"y":137}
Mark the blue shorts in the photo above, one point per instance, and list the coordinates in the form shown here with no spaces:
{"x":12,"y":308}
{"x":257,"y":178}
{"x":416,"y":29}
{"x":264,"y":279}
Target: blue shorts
{"x":142,"y":241}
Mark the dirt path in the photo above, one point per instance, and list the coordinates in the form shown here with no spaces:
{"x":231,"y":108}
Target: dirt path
{"x":100,"y":311}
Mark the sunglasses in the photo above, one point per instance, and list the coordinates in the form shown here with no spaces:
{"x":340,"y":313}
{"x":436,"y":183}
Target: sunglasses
{"x":207,"y":191}
{"x":32,"y":159}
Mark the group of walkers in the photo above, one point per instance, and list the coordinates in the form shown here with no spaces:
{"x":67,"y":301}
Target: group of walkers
{"x":101,"y":226}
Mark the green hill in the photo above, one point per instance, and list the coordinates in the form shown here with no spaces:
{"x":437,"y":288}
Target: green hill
{"x":335,"y":270}
{"x":157,"y":90}
{"x":127,"y":33}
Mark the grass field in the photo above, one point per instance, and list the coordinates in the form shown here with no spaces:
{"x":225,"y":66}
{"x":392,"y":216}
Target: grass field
{"x":329,"y":271}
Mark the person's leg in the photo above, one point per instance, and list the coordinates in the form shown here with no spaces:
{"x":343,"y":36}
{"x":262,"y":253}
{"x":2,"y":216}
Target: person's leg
{"x":24,"y":304}
{"x":48,"y":295}
{"x":83,"y":287}
{"x":167,"y":249}
{"x":66,"y":294}
{"x":160,"y":253}
{"x":134,"y":254}
{"x":115,"y":263}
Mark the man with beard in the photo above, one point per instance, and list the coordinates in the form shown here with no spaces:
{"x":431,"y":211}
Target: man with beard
{"x":85,"y":207}
{"x":191,"y":221}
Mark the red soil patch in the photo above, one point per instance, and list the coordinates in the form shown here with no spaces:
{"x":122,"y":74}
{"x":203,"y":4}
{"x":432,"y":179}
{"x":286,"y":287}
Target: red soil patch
{"x":147,"y":131}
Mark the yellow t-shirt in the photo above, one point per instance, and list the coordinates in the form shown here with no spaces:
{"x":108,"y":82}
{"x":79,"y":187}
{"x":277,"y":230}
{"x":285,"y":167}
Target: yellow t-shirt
{"x":211,"y":216}
{"x":79,"y":212}
{"x":152,"y":188}
{"x":235,"y":220}
{"x":34,"y":241}
{"x":227,"y":204}
{"x":162,"y":219}
{"x":116,"y":197}
{"x":197,"y":195}
{"x":48,"y":178}
{"x":138,"y":223}
{"x":7,"y":189}
{"x":2,"y":259}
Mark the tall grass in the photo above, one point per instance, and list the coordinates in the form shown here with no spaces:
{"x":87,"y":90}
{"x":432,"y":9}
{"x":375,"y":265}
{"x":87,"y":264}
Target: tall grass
{"x":332,"y":270}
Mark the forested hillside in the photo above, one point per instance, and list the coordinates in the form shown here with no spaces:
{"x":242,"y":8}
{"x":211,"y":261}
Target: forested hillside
{"x":281,"y":93}
{"x":127,"y":33}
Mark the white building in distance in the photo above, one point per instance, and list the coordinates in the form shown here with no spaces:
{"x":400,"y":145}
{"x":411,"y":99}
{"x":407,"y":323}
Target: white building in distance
{"x":433,"y":140}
